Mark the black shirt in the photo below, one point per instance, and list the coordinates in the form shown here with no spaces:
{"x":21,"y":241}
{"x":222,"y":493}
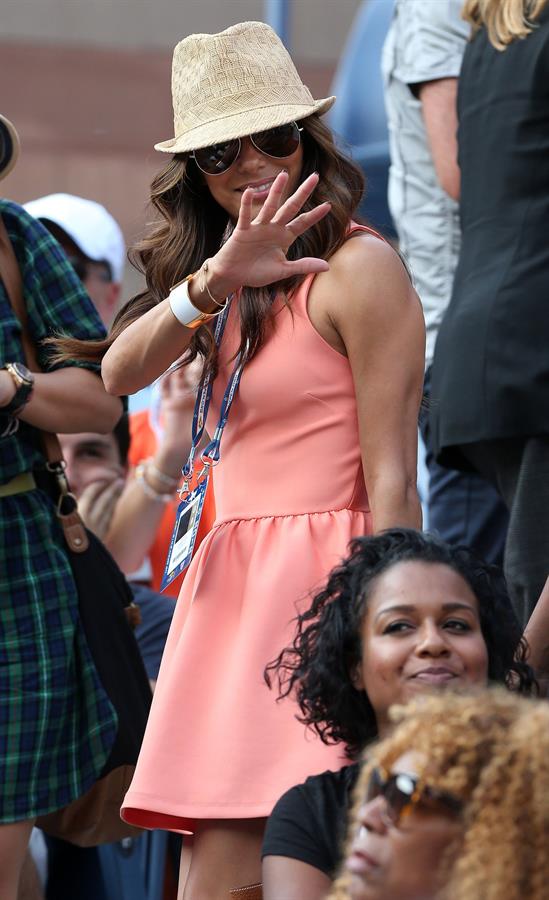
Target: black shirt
{"x":490,"y":375}
{"x":308,"y":823}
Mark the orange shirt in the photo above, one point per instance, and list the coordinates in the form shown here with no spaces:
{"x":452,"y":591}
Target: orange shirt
{"x":142,"y":446}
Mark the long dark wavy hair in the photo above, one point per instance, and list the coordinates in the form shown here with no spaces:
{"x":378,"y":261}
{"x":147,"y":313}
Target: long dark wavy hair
{"x":327,"y":646}
{"x":191,"y":227}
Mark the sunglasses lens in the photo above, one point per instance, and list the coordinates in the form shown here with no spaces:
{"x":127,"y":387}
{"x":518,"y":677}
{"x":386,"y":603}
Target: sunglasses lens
{"x":398,"y":794}
{"x":216,"y":159}
{"x":375,"y":785}
{"x":278,"y":142}
{"x":397,"y":791}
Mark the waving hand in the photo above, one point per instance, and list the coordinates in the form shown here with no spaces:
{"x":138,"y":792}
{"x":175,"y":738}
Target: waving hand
{"x":255,"y":253}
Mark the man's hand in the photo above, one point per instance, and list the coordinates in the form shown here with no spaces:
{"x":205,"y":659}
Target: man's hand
{"x":97,"y":502}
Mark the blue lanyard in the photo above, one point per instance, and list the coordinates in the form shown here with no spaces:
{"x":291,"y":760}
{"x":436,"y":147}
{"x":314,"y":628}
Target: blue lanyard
{"x":211,"y":453}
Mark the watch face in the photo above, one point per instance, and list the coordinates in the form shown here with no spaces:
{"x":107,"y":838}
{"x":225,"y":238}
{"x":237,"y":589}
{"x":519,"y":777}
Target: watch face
{"x":24,"y":382}
{"x":23,"y":373}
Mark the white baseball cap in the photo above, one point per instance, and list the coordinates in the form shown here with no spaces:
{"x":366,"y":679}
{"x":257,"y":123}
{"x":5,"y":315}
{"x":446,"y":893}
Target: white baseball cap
{"x":88,"y":224}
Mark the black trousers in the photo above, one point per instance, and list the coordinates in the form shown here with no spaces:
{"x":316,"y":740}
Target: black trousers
{"x":519,"y":469}
{"x":462,"y":507}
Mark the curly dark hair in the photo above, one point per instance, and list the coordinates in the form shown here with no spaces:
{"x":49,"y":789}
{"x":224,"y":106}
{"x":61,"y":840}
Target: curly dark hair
{"x":327,"y":645}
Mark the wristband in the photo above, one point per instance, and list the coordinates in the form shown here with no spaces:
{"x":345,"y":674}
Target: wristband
{"x":182,"y":307}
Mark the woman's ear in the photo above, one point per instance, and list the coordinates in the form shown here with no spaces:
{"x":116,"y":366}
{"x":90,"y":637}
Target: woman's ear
{"x":355,"y":674}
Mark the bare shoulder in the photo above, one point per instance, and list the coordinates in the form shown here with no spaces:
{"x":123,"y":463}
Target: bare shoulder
{"x":366,"y":276}
{"x":366,"y":291}
{"x":365,"y":264}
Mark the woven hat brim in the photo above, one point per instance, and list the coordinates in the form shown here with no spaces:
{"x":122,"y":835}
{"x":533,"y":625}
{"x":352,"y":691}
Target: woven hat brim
{"x":9,"y":146}
{"x":241,"y":124}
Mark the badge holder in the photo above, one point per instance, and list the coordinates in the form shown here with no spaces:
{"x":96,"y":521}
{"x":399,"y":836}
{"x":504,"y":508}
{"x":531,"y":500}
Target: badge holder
{"x":184,"y":534}
{"x":190,"y":509}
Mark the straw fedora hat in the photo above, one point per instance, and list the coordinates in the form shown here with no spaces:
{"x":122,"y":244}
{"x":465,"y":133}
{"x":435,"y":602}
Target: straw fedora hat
{"x":9,"y":146}
{"x":232,"y":84}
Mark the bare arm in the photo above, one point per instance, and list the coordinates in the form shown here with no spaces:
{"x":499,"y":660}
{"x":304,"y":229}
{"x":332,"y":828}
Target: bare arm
{"x":254,"y":255}
{"x":133,"y":527}
{"x":293,"y":880}
{"x":66,"y":401}
{"x":537,"y":635}
{"x":377,"y":316}
{"x":439,"y":107}
{"x":146,"y":348}
{"x":137,"y":512}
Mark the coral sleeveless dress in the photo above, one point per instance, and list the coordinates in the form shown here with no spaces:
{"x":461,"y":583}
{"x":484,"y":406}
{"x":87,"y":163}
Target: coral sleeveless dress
{"x":290,"y":495}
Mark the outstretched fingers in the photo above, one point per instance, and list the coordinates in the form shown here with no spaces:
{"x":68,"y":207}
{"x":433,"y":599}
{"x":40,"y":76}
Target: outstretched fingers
{"x":305,"y":266}
{"x":245,"y":212}
{"x":307,"y":219}
{"x":269,"y":209}
{"x":293,"y":204}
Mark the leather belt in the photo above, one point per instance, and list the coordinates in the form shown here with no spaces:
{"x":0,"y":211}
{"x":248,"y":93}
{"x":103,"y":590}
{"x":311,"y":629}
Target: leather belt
{"x":18,"y":485}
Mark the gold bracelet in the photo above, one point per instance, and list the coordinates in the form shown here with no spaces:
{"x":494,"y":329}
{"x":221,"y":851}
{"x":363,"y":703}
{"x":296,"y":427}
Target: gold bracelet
{"x":183,"y":308}
{"x":204,"y":287}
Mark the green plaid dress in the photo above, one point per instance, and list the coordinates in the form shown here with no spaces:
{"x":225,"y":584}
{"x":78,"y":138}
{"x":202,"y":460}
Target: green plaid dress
{"x":56,"y":723}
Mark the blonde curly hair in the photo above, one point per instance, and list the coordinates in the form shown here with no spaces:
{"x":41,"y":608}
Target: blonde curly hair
{"x":490,"y":750}
{"x":505,"y":20}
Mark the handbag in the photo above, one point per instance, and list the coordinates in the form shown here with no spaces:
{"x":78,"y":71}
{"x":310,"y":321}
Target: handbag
{"x":104,"y":601}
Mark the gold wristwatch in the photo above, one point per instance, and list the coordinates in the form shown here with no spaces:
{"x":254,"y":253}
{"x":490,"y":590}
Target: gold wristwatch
{"x":23,"y":379}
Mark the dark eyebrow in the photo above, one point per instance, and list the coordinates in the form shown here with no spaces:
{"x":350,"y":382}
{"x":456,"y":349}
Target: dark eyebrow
{"x":93,"y":445}
{"x":407,"y":608}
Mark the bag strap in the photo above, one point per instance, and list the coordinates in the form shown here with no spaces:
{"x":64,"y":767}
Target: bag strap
{"x":71,"y":523}
{"x":11,"y":276}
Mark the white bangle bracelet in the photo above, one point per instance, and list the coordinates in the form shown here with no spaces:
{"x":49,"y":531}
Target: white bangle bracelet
{"x":148,"y":490}
{"x":182,"y":307}
{"x":161,"y":476}
{"x":184,"y":310}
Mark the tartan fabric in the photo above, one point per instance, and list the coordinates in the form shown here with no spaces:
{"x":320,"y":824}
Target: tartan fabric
{"x":56,"y":723}
{"x":56,"y":303}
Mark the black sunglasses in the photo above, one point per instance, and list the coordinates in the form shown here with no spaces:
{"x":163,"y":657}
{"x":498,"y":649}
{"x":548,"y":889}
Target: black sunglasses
{"x":402,"y":792}
{"x":278,"y":142}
